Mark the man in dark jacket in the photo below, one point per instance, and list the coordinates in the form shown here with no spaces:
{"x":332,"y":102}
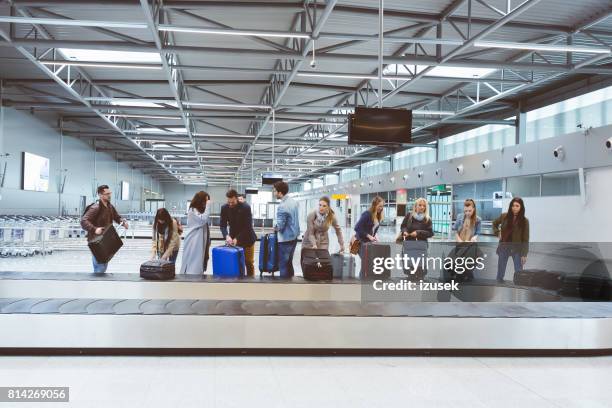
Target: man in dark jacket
{"x":238,"y":216}
{"x":97,"y":217}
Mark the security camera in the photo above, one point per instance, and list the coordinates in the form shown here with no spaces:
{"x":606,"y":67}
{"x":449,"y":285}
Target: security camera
{"x":361,"y":184}
{"x":486,"y":164}
{"x":354,"y":185}
{"x":405,"y":177}
{"x":559,"y":152}
{"x":439,"y":172}
{"x":609,"y":144}
{"x":313,"y":63}
{"x":392,"y":180}
{"x":420,"y":175}
{"x":460,"y":169}
{"x":518,"y":159}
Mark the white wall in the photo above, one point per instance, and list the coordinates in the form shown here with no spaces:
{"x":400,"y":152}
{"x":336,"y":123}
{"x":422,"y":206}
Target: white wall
{"x":23,"y":132}
{"x":570,"y":219}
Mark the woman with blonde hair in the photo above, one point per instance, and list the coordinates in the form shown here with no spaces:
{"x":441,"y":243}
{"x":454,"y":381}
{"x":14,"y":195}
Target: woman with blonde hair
{"x":417,"y":225}
{"x":318,"y":223}
{"x":467,"y":227}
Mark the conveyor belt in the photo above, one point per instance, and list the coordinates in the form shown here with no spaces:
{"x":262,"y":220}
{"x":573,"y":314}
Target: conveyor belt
{"x":303,"y":308}
{"x":134,"y":277}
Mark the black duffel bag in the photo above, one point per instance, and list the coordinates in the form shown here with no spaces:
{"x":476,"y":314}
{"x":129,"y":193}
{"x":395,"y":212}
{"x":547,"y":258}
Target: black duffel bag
{"x":317,"y":264}
{"x":157,"y":270}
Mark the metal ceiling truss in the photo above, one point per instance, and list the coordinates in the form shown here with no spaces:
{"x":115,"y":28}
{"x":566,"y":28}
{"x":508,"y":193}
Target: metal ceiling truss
{"x":309,"y":138}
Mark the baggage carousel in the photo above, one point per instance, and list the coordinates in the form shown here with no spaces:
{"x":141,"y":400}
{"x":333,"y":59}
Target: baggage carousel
{"x":79,"y":313}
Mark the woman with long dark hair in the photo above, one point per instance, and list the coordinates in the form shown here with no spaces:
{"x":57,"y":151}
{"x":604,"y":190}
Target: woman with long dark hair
{"x":196,"y":240}
{"x":166,"y":239}
{"x":512,"y":228}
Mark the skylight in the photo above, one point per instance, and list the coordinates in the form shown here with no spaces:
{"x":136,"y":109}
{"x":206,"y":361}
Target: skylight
{"x":441,"y":71}
{"x":72,"y":54}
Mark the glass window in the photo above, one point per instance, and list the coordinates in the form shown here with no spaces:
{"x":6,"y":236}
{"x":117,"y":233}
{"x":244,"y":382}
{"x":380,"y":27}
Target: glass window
{"x":485,"y":189}
{"x":375,"y":167}
{"x":349,"y":175}
{"x":481,"y":139}
{"x":316,"y":183}
{"x":463,"y":191}
{"x":527,"y":186}
{"x":591,"y":109}
{"x":561,"y":184}
{"x":330,"y":179}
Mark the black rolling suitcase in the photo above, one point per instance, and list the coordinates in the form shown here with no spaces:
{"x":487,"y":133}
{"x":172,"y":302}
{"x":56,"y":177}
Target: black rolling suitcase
{"x":526,"y":277}
{"x":157,"y":270}
{"x":316,"y":264}
{"x":549,"y":280}
{"x":371,"y":251}
{"x":465,"y":250}
{"x":540,"y":278}
{"x":105,"y":246}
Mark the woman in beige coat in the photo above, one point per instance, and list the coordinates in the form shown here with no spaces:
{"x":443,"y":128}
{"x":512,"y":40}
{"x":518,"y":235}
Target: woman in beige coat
{"x":318,"y":223}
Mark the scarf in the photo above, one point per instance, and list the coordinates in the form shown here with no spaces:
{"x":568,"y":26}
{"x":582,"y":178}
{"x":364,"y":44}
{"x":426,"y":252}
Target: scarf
{"x":320,"y":220}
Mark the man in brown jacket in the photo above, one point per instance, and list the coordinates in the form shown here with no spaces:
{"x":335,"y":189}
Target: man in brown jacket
{"x":97,"y":217}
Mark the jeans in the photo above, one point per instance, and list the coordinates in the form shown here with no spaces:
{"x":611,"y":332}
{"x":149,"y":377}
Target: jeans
{"x":502,"y":261}
{"x":98,"y":267}
{"x":285,"y":258}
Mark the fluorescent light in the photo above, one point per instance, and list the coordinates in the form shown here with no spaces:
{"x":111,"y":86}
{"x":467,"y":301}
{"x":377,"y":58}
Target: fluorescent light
{"x":333,"y":75}
{"x":157,"y":130}
{"x":223,"y":135}
{"x":442,"y":71}
{"x":217,"y":31}
{"x":299,"y":122}
{"x":101,"y":64}
{"x":433,"y":112}
{"x":121,"y":115}
{"x":543,"y":47}
{"x":110,"y":56}
{"x":225,"y":105}
{"x":137,"y":102}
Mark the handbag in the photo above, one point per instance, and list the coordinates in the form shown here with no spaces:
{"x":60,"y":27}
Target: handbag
{"x":355,"y":245}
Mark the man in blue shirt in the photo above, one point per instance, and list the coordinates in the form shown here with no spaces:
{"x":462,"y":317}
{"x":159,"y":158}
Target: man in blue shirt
{"x":287,"y":228}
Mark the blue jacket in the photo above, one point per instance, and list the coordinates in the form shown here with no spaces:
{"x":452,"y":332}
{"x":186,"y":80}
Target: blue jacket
{"x":365,"y":227}
{"x":287,"y":220}
{"x":459,"y":224}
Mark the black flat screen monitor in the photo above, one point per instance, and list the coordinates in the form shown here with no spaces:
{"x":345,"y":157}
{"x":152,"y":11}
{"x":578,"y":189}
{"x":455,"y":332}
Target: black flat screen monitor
{"x":380,"y":126}
{"x":270,"y":178}
{"x":251,"y":190}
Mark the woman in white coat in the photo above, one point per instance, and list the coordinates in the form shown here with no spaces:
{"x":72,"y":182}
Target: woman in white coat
{"x":196,"y":241}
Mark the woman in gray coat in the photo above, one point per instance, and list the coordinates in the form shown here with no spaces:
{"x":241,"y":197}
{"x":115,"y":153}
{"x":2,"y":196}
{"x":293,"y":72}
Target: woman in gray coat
{"x":196,"y":240}
{"x":318,"y":223}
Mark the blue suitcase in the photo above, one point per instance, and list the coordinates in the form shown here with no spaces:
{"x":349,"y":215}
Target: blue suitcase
{"x":268,"y":254}
{"x":228,"y":262}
